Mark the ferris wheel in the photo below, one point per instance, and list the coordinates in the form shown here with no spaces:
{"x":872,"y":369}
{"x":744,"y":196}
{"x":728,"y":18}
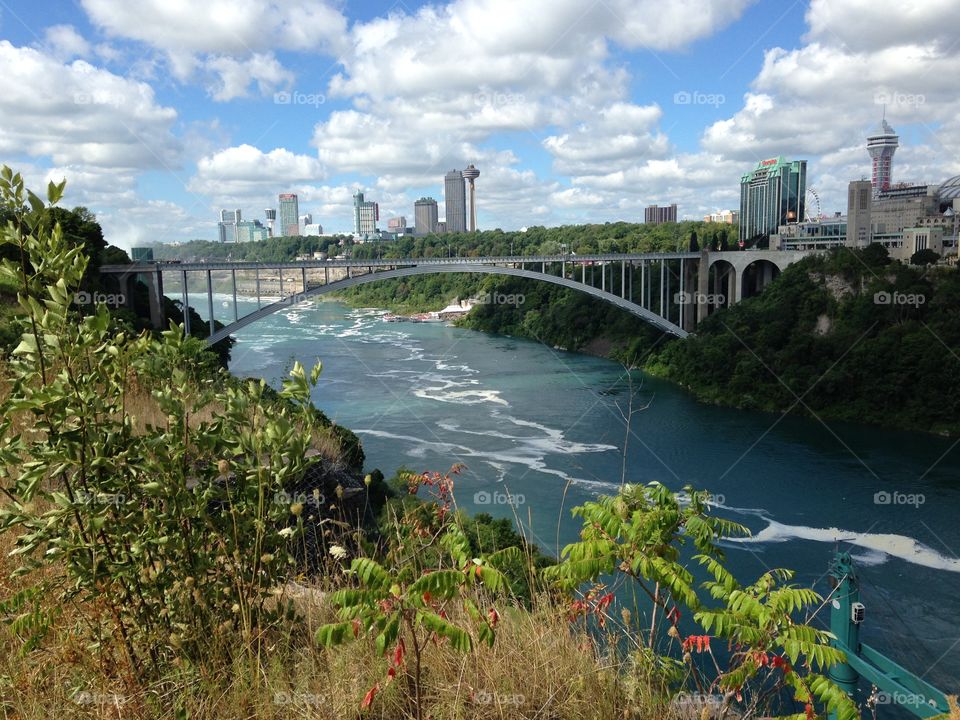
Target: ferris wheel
{"x":812,"y":200}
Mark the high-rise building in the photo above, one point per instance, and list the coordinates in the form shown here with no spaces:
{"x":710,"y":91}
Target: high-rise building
{"x":271,"y":215}
{"x":365,"y":215}
{"x":657,"y":215}
{"x":455,"y":201}
{"x":397,"y":224}
{"x":251,"y":231}
{"x":289,"y":214}
{"x":859,"y":197}
{"x":305,"y":220}
{"x":881,"y":145}
{"x":425,"y":216}
{"x":770,"y":196}
{"x":313,"y":229}
{"x":227,"y":226}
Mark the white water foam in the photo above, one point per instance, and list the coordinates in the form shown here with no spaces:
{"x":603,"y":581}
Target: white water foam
{"x":887,"y":544}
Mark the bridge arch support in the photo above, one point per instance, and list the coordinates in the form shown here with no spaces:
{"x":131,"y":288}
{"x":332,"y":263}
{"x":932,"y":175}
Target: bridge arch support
{"x":426,"y":269}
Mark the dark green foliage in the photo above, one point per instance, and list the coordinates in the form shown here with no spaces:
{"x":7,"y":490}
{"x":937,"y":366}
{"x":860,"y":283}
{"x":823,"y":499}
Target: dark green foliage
{"x":881,"y":347}
{"x":925,"y":257}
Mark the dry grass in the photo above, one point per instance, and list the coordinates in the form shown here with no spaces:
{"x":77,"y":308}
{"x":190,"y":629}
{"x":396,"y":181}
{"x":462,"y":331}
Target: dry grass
{"x":539,"y":667}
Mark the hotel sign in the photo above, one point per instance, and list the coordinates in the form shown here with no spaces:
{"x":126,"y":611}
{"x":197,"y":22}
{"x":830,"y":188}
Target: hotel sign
{"x":768,"y":163}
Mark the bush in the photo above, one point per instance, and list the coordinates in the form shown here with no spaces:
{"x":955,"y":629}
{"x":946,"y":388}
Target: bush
{"x":171,"y":530}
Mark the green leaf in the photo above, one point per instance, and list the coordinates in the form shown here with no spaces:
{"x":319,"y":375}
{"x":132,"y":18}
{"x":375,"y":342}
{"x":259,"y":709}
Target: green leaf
{"x":442,"y":584}
{"x":333,"y":634}
{"x":371,"y":573}
{"x":459,"y":639}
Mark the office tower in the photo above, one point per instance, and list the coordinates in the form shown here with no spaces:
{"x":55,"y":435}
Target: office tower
{"x":455,"y":201}
{"x":657,"y":215}
{"x":772,"y":195}
{"x":227,"y":226}
{"x":425,"y":216}
{"x":365,"y":215}
{"x":289,"y":214}
{"x":859,"y":199}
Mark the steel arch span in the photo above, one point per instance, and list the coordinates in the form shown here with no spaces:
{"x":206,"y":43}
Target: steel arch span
{"x":624,"y":304}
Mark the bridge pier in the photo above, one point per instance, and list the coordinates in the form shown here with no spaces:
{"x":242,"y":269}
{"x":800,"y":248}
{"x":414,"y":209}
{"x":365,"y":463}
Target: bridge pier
{"x":233,"y":279}
{"x":703,"y":286}
{"x":154,"y":283}
{"x":186,"y":303}
{"x":210,"y":299}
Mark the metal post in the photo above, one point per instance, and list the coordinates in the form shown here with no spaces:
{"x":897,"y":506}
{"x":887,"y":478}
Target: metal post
{"x":583,"y":273}
{"x":603,"y":277}
{"x":842,"y":626}
{"x":304,"y":270}
{"x":349,"y":271}
{"x":667,"y":293}
{"x":631,"y":281}
{"x":236,"y":311}
{"x":643,"y":282}
{"x":543,"y":268}
{"x":210,"y":300}
{"x":661,"y":286}
{"x":280,"y":271}
{"x":258,"y":287}
{"x":683,"y":299}
{"x":623,"y":278}
{"x":326,"y":275}
{"x":186,"y":303}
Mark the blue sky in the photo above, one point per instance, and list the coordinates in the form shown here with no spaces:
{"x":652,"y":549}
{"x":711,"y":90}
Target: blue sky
{"x":160,"y":112}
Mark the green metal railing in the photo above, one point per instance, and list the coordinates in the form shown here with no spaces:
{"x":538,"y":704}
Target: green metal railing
{"x":899,"y":685}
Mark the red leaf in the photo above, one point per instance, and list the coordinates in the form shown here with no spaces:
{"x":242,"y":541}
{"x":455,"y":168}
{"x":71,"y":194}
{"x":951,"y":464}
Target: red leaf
{"x":427,"y":597}
{"x":493,"y":616}
{"x":398,"y":653}
{"x":809,"y":710}
{"x":368,"y":698}
{"x":356,"y":627}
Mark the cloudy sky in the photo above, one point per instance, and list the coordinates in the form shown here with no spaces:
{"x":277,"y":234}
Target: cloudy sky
{"x":159,"y":112}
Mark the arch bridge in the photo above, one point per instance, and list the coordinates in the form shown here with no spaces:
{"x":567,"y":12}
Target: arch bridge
{"x":673,"y":291}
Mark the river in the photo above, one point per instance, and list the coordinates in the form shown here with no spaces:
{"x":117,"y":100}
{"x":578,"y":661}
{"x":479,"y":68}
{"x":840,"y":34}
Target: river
{"x":541,"y":431}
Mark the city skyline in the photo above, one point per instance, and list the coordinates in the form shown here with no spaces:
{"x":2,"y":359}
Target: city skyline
{"x":166,"y":127}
